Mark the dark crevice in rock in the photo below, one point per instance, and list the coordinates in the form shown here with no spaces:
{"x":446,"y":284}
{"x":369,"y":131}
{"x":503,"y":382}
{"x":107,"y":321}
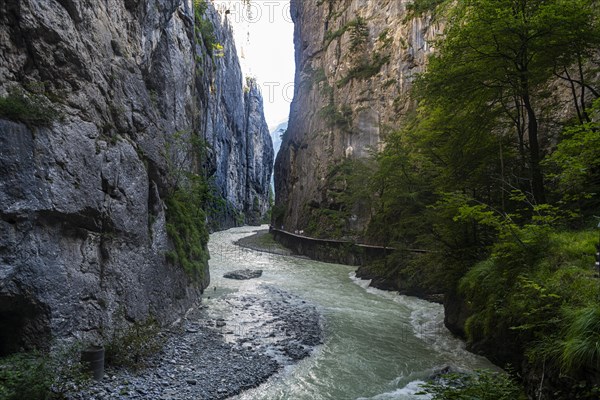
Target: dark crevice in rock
{"x":154,"y":203}
{"x":10,"y":218}
{"x":71,"y":7}
{"x":24,"y":323}
{"x":88,"y":219}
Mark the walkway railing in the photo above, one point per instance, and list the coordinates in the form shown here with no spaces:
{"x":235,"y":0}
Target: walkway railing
{"x":340,"y":241}
{"x":333,"y":250}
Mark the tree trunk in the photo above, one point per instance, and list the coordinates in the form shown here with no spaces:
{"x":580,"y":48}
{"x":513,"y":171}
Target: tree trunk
{"x":537,"y":179}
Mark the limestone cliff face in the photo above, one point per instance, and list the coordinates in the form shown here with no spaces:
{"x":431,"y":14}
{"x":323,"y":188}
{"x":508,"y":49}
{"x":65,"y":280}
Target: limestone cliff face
{"x":355,"y":63}
{"x":82,"y":212}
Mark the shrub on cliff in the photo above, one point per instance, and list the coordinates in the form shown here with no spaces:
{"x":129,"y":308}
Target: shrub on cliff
{"x":186,"y":205}
{"x":32,"y":110}
{"x":482,"y":385}
{"x":186,"y":226}
{"x":204,"y":29}
{"x":131,"y":347}
{"x":39,"y":376}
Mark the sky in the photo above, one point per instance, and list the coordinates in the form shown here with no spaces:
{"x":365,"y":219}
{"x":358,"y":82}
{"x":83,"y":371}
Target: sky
{"x":264,"y":34}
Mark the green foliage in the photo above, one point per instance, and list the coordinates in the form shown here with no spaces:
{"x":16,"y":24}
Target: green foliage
{"x":326,"y":223}
{"x":350,"y":190}
{"x":580,"y":390}
{"x":495,"y":60}
{"x":240,"y":218}
{"x":530,"y":274}
{"x":341,"y":118}
{"x":186,"y":205}
{"x":366,"y":68}
{"x":319,"y":75}
{"x":31,"y":109}
{"x":464,"y":180}
{"x":359,"y":34}
{"x":38,"y":376}
{"x":419,"y":7}
{"x":132,"y":347}
{"x":267,"y":218}
{"x":348,"y":183}
{"x":215,"y":206}
{"x":384,"y":38}
{"x":575,"y":165}
{"x":186,"y":227}
{"x":580,"y":346}
{"x":458,"y":180}
{"x":277,"y":215}
{"x":410,"y":211}
{"x":204,"y":29}
{"x":218,"y":50}
{"x":330,"y":36}
{"x":399,"y":194}
{"x":518,"y":243}
{"x":25,"y":376}
{"x":482,"y":385}
{"x":546,"y":296}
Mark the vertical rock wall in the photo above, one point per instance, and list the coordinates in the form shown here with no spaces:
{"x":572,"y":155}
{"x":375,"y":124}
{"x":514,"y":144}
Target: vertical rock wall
{"x":82,"y":215}
{"x":355,"y":63}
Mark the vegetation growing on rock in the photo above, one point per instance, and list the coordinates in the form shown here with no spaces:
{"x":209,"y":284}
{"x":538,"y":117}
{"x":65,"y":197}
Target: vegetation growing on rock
{"x":38,"y":376}
{"x":475,"y":177}
{"x":186,"y":204}
{"x":31,"y":109}
{"x":204,"y":29}
{"x":493,"y":173}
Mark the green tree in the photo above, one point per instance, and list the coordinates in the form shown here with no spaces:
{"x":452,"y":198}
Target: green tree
{"x":463,"y":180}
{"x":575,"y":166}
{"x":496,"y":57}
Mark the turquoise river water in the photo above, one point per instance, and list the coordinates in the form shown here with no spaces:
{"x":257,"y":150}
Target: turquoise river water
{"x":377,"y":345}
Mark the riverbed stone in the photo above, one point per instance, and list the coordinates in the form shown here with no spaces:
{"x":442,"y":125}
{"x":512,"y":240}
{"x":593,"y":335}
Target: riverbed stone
{"x":273,"y":329}
{"x":243,"y":274}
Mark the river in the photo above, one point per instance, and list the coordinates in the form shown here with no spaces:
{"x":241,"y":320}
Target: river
{"x":377,"y":344}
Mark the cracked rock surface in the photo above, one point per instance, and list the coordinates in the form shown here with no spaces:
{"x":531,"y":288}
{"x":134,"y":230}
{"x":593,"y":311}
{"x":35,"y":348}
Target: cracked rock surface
{"x":83,"y":230}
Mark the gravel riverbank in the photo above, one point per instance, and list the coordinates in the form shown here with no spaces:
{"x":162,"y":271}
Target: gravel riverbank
{"x":235,"y":344}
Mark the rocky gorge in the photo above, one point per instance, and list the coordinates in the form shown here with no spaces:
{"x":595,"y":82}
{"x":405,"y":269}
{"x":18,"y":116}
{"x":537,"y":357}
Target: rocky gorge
{"x":106,"y":110}
{"x":355,"y":64}
{"x":425,"y":173}
{"x":130,"y":141}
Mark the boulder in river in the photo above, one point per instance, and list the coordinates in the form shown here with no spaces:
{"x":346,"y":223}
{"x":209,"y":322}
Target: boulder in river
{"x":241,"y":274}
{"x":438,"y":375}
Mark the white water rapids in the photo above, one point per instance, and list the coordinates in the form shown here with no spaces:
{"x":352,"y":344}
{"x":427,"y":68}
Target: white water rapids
{"x":377,"y":344}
